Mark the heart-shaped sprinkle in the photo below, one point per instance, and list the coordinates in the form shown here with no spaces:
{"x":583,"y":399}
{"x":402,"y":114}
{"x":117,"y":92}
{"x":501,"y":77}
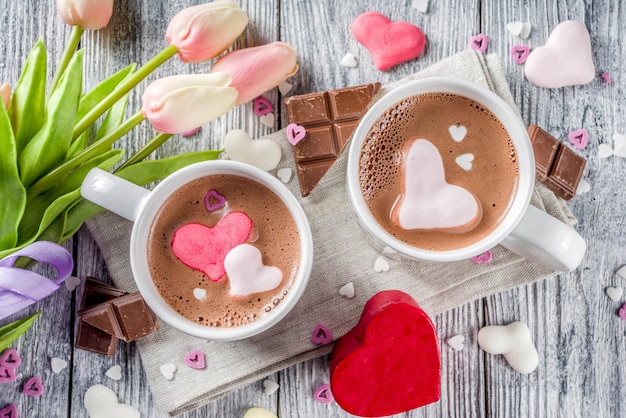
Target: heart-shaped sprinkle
{"x":195,"y":359}
{"x":247,"y":274}
{"x":621,"y":272}
{"x":262,"y":106}
{"x":619,"y":144}
{"x":381,"y":265}
{"x":349,"y":60}
{"x":57,"y":364}
{"x":7,"y":374}
{"x":33,"y":387}
{"x":321,"y":335}
{"x":71,"y":282}
{"x":565,"y":59}
{"x":622,"y":312}
{"x":457,"y":342}
{"x":199,"y":293}
{"x":465,"y":161}
{"x":285,"y":87}
{"x":614,"y":293}
{"x":420,"y":5}
{"x":295,"y":133}
{"x":347,"y":290}
{"x":204,"y":248}
{"x":457,"y":132}
{"x":284,"y":174}
{"x":519,"y":53}
{"x":213,"y":200}
{"x":10,"y":358}
{"x":9,"y":411}
{"x":167,"y":370}
{"x":479,"y":42}
{"x":100,"y":401}
{"x":578,"y":138}
{"x":427,"y":201}
{"x":190,"y":132}
{"x":519,"y":28}
{"x":114,"y":372}
{"x":262,"y":153}
{"x":604,"y":151}
{"x":388,"y":250}
{"x":583,"y":187}
{"x":483,"y":258}
{"x":268,"y":120}
{"x":259,"y":413}
{"x":323,"y":394}
{"x":606,"y":77}
{"x":514,"y":342}
{"x":389,"y":43}
{"x":270,"y":387}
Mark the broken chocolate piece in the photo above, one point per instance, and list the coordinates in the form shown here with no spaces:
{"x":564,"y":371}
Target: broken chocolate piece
{"x":97,"y":291}
{"x":93,"y":339}
{"x":103,"y":317}
{"x":557,"y":167}
{"x":329,"y":117}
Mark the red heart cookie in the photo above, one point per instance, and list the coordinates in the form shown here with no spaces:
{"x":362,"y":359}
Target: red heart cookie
{"x":390,"y":43}
{"x":389,"y":362}
{"x":204,"y":248}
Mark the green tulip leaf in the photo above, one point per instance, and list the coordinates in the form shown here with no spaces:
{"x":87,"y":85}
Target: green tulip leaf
{"x":12,"y":331}
{"x":102,"y":90}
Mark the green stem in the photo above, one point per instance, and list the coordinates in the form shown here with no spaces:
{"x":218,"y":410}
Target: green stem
{"x":147,"y":149}
{"x":98,"y":147}
{"x":119,"y":92}
{"x":68,"y":52}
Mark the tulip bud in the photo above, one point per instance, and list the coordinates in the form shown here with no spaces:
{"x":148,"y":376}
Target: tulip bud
{"x":5,"y":94}
{"x":203,"y":32}
{"x":88,"y":14}
{"x":183,"y":102}
{"x":256,"y":70}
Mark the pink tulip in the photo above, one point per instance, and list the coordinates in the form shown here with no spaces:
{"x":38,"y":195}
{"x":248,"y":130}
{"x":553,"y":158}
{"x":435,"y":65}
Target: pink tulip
{"x":203,"y":32}
{"x":181,"y":103}
{"x":5,"y":94}
{"x":257,"y":70}
{"x":88,"y":14}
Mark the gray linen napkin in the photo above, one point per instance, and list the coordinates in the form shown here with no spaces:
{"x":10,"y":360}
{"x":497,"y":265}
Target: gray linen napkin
{"x":437,"y":287}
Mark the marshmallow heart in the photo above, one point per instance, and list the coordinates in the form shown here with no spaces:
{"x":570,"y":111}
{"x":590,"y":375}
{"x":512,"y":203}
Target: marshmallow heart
{"x":57,"y":364}
{"x":347,"y":290}
{"x":246,"y":272}
{"x":101,"y":402}
{"x":565,"y":60}
{"x":604,"y":151}
{"x":349,"y":60}
{"x":519,"y":28}
{"x":457,"y":342}
{"x":426,"y":200}
{"x":389,"y":43}
{"x":167,"y":370}
{"x":614,"y":293}
{"x":465,"y":161}
{"x":514,"y":342}
{"x":199,"y":293}
{"x":457,"y":132}
{"x":583,"y":187}
{"x":270,"y":387}
{"x":71,"y":282}
{"x":284,"y":174}
{"x":114,"y":372}
{"x":268,"y":120}
{"x":204,"y":248}
{"x":420,"y":5}
{"x":285,"y":87}
{"x":262,"y":153}
{"x":381,"y":265}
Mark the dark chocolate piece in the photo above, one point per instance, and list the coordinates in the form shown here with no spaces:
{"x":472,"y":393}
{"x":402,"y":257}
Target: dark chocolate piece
{"x":103,"y":317}
{"x":93,"y":339}
{"x":556,"y":166}
{"x":329,"y":117}
{"x":97,"y":292}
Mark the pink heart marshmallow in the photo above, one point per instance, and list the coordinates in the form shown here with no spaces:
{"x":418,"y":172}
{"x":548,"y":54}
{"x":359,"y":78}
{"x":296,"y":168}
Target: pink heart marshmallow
{"x":33,"y":387}
{"x":519,"y":53}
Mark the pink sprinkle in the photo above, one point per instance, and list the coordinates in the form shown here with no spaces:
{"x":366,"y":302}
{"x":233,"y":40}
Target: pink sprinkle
{"x":578,"y":138}
{"x":519,"y":53}
{"x":10,"y":358}
{"x":295,"y":133}
{"x":9,"y":411}
{"x":7,"y":374}
{"x":262,"y":106}
{"x":622,"y":312}
{"x":213,"y":195}
{"x":188,"y":133}
{"x":321,"y":335}
{"x":479,"y":42}
{"x":483,"y":258}
{"x":323,"y":394}
{"x":194,"y":359}
{"x":33,"y":386}
{"x":606,"y":77}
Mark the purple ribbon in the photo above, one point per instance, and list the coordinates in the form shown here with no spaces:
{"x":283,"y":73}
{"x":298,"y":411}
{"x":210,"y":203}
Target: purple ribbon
{"x":20,"y":288}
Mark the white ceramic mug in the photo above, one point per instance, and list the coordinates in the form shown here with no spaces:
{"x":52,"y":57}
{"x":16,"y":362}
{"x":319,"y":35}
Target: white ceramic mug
{"x":526,"y":230}
{"x":141,"y":205}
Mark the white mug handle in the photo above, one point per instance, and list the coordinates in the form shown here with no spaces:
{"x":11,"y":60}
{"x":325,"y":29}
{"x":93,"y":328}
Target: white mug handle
{"x":546,"y":240}
{"x":114,"y":193}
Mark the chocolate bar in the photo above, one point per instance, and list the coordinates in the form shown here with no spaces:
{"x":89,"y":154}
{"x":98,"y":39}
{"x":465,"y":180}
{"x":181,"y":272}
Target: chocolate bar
{"x":556,"y":166}
{"x":329,"y":118}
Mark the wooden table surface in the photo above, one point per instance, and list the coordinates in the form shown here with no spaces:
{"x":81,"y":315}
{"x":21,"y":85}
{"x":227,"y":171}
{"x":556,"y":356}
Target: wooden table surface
{"x":575,"y":326}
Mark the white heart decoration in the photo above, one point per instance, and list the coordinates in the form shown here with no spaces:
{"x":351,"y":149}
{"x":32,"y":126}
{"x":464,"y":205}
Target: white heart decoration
{"x":565,"y":60}
{"x":427,"y":201}
{"x":457,"y":342}
{"x":457,"y":132}
{"x":420,"y":5}
{"x":347,"y":290}
{"x":115,"y":372}
{"x":619,"y":145}
{"x":604,"y":151}
{"x":71,"y":282}
{"x":583,"y":187}
{"x":167,"y":370}
{"x":262,"y":153}
{"x":614,"y":293}
{"x":519,"y":28}
{"x":285,"y":87}
{"x":199,"y":293}
{"x":284,"y":174}
{"x":246,"y":272}
{"x":270,"y":387}
{"x":621,"y":272}
{"x":381,"y":265}
{"x":57,"y":364}
{"x":465,"y":161}
{"x":514,"y":342}
{"x":267,"y":120}
{"x":101,"y":402}
{"x":349,"y":60}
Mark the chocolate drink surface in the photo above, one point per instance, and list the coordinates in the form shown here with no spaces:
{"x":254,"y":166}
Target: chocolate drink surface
{"x":476,"y":152}
{"x":207,"y":300}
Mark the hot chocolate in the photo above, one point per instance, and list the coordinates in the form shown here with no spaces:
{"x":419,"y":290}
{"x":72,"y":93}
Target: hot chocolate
{"x":445,"y":142}
{"x":212,"y":212}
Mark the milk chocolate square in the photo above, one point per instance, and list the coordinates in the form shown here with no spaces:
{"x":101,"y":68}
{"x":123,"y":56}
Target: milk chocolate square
{"x":135,"y":318}
{"x":102,"y":316}
{"x":329,"y":117}
{"x":93,"y":339}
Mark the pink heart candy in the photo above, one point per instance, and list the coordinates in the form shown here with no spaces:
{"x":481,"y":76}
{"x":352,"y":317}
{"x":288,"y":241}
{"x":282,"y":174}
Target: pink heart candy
{"x":195,"y":359}
{"x":519,"y":53}
{"x":321,"y":335}
{"x":33,"y":387}
{"x":213,"y":196}
{"x":578,"y":138}
{"x":7,"y":374}
{"x":389,"y":43}
{"x":9,"y":411}
{"x":10,"y":358}
{"x":483,"y":258}
{"x":295,"y":133}
{"x":479,"y":42}
{"x":622,"y":312}
{"x":606,"y":77}
{"x":204,"y":248}
{"x":262,"y":106}
{"x":565,"y":59}
{"x":323,"y":394}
